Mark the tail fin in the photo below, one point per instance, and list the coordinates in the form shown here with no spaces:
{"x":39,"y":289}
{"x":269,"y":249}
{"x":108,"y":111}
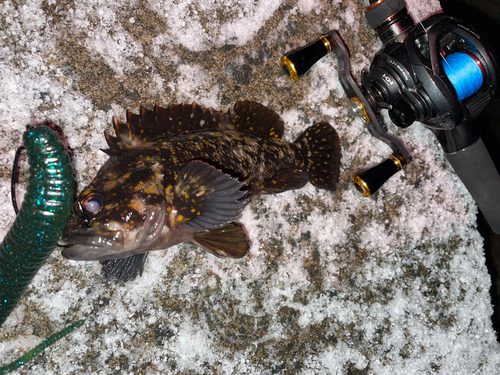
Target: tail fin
{"x":319,"y":147}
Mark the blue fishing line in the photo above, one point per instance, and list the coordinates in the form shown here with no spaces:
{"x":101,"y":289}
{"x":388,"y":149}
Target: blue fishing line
{"x":464,"y":74}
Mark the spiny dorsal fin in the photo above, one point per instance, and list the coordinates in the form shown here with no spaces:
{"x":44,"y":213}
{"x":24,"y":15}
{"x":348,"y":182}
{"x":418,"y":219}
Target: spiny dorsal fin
{"x":180,"y":118}
{"x":162,"y":122}
{"x":129,"y":134}
{"x":256,"y":118}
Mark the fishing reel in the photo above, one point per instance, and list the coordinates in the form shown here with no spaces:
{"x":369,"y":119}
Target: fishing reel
{"x":439,"y":72}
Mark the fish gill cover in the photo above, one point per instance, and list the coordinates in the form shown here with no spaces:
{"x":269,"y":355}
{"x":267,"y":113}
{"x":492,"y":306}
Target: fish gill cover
{"x":333,"y":283}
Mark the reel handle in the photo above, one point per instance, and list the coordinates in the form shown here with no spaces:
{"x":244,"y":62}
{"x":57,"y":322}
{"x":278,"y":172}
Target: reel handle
{"x":297,"y":62}
{"x":369,"y":180}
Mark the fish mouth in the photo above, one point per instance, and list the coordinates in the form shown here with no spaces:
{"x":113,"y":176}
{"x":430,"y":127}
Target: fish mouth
{"x":91,"y":243}
{"x":102,"y":243}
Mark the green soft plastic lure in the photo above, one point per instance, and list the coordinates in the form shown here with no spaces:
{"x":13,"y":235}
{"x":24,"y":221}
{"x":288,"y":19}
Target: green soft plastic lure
{"x":37,"y":227}
{"x":42,"y":218}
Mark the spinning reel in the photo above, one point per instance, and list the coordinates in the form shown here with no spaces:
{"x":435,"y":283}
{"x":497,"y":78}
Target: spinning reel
{"x":439,"y":72}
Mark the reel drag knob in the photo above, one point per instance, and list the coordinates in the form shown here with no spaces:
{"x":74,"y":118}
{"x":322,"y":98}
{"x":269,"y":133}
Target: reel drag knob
{"x":369,"y":180}
{"x":296,"y":63}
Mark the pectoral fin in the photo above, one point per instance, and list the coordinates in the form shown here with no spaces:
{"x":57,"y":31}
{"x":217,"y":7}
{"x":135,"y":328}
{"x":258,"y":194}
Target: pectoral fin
{"x":204,"y":198}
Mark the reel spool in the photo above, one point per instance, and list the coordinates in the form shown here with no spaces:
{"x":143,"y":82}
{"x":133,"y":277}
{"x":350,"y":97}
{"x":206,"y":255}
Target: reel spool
{"x":464,"y":72}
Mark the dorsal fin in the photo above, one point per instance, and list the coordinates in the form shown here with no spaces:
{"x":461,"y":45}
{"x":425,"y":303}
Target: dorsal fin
{"x":179,"y":118}
{"x":256,"y":118}
{"x":162,"y":122}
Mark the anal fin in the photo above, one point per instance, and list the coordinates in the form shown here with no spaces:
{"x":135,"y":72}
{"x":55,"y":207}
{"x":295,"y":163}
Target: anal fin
{"x":229,"y":241}
{"x":123,"y":269}
{"x":288,"y":179}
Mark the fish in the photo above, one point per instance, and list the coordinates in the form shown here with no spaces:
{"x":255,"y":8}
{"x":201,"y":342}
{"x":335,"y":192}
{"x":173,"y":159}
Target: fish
{"x":183,"y":174}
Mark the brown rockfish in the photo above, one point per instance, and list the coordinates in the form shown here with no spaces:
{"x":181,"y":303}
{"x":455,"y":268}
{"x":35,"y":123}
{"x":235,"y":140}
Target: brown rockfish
{"x":184,"y":174}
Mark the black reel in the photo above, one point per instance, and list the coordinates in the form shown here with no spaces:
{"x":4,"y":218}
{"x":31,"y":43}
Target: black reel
{"x":440,"y":72}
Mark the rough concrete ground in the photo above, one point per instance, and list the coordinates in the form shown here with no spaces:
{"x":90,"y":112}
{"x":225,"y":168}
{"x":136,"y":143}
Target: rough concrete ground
{"x":334,"y":283}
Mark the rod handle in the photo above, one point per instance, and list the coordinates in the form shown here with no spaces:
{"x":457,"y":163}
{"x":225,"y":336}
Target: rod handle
{"x":477,"y":171}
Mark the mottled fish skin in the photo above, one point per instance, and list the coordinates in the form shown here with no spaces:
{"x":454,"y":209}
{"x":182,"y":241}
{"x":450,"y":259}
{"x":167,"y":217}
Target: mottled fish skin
{"x":185,"y":175}
{"x":248,"y":157}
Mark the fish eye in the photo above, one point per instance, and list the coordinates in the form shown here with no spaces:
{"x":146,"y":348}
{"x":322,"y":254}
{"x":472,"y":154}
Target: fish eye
{"x":92,"y":202}
{"x":93,"y":205}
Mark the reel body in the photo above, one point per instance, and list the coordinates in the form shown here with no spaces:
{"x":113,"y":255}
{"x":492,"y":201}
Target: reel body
{"x":439,"y":72}
{"x":411,"y":79}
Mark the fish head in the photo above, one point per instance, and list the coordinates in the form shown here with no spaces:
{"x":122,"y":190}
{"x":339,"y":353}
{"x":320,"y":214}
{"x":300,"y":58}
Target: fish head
{"x":118,"y":215}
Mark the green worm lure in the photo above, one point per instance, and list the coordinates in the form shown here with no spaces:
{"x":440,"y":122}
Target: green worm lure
{"x":42,"y":218}
{"x":39,"y":224}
